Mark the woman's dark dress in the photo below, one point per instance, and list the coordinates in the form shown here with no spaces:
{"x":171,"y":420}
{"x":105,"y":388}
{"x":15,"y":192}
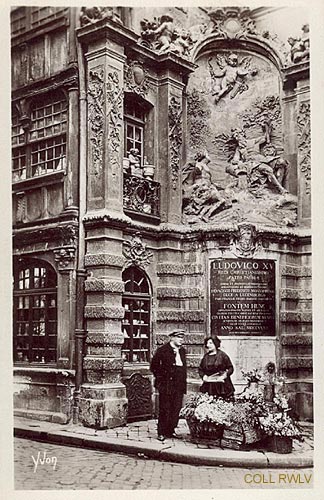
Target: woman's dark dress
{"x":217,"y":363}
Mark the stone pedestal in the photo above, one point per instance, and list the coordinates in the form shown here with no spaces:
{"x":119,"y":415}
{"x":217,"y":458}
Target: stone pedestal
{"x":103,"y":406}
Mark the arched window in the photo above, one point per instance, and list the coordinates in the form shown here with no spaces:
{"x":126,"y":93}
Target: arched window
{"x":137,"y":320}
{"x":35,"y":312}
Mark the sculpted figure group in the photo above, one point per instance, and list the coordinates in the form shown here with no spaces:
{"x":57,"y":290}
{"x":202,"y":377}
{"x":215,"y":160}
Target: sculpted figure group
{"x":163,"y":36}
{"x":202,"y":198}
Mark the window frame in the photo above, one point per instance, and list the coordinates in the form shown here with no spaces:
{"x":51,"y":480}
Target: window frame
{"x":41,"y":316}
{"x":34,"y":137}
{"x":137,"y":322}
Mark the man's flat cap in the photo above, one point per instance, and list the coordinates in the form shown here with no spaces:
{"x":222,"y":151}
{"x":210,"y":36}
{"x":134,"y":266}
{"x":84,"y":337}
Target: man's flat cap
{"x":177,"y":333}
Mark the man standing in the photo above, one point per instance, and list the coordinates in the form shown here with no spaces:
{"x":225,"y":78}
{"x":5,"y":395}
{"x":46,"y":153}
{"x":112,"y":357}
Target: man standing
{"x":169,"y":368}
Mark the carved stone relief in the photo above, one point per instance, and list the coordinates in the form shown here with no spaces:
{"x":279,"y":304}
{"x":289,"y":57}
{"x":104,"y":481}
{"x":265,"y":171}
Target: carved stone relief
{"x":304,"y":144}
{"x":245,"y":242}
{"x":115,"y":119}
{"x":139,"y":396}
{"x":96,"y":100}
{"x":231,"y":75}
{"x":236,"y":170}
{"x":136,"y":253}
{"x":164,"y":37}
{"x":175,"y":138}
{"x":64,"y":257}
{"x":136,"y":78}
{"x":90,"y":15}
{"x":299,"y":47}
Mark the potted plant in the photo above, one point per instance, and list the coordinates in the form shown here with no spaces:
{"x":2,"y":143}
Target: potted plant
{"x":280,"y":427}
{"x":206,"y":415}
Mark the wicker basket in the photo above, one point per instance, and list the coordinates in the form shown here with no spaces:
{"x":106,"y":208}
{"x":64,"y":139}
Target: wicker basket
{"x":205,"y":430}
{"x":280,"y":444}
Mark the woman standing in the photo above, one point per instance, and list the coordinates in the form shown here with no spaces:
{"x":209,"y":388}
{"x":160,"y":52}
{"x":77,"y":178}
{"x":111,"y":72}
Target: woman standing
{"x":215,"y":370}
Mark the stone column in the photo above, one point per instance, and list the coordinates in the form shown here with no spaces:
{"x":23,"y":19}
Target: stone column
{"x":65,"y":259}
{"x":72,"y":172}
{"x":102,"y":400}
{"x":105,"y":62}
{"x":170,"y":140}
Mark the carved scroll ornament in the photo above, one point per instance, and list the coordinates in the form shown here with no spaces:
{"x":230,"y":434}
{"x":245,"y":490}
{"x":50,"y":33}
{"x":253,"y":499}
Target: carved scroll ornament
{"x":136,"y":252}
{"x":175,"y":138}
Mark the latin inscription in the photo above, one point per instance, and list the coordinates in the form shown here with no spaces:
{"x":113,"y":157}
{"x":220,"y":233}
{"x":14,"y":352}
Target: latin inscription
{"x":242,"y":297}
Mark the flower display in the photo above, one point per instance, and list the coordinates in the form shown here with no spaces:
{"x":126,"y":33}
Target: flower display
{"x":280,"y":424}
{"x":204,"y":408}
{"x":254,"y":375}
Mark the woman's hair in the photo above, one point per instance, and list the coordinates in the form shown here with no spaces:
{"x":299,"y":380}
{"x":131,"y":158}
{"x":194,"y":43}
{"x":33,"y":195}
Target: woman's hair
{"x":215,"y":340}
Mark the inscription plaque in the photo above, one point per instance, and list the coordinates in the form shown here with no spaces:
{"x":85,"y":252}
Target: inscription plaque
{"x":242,"y":297}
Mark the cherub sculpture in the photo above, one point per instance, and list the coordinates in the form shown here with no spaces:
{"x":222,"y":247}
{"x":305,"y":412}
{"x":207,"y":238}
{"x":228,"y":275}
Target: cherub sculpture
{"x":230,"y":76}
{"x":299,"y":50}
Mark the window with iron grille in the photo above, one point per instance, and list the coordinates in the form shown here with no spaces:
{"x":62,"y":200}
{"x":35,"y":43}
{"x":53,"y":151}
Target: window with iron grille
{"x":42,"y":148}
{"x":137,"y":321}
{"x":35,"y":312}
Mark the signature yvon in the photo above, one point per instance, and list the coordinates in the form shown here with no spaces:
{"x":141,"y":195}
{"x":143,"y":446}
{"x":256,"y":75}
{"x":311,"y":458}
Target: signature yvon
{"x":44,"y":459}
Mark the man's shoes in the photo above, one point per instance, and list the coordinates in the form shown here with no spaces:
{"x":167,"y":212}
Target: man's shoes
{"x":161,"y":437}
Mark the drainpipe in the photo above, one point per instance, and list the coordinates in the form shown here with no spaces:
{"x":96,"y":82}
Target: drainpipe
{"x":80,"y":331}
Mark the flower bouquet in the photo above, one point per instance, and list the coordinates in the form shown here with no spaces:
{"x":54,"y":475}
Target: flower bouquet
{"x":253,"y":376}
{"x":206,"y":416}
{"x":280,"y":427}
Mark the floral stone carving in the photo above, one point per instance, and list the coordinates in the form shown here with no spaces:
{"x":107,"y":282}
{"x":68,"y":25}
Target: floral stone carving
{"x":175,"y":138}
{"x":115,"y":119}
{"x":136,"y":253}
{"x":96,"y":117}
{"x":304,"y":143}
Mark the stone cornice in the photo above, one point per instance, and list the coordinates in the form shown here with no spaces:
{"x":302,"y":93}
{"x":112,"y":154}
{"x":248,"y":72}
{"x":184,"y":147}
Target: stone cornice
{"x":122,"y":35}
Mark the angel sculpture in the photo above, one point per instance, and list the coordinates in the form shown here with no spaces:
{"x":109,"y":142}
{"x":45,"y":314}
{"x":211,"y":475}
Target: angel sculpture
{"x":230,"y":77}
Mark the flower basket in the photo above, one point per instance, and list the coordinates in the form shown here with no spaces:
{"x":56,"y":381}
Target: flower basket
{"x":205,"y":430}
{"x":280,"y":444}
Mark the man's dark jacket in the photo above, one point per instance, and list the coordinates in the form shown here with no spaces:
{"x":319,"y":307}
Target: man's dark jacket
{"x":163,"y":368}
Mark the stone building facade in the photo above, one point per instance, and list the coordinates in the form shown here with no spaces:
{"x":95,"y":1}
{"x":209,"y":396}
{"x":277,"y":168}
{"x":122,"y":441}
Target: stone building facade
{"x":158,"y":154}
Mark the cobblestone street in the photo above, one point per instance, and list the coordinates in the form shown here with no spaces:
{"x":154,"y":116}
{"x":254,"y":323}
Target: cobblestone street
{"x":41,"y":466}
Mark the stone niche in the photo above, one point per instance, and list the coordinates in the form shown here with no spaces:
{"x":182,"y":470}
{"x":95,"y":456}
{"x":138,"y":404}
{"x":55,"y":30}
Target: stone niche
{"x":235,"y":120}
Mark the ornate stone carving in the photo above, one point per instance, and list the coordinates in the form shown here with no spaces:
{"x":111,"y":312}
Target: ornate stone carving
{"x":98,"y":312}
{"x":299,"y":47}
{"x":64,"y":256}
{"x":245,"y":243}
{"x":136,"y":253}
{"x":141,"y":195}
{"x":201,"y":198}
{"x":92,"y":14}
{"x":232,"y":22}
{"x":136,"y":78}
{"x":100,"y":285}
{"x":175,"y":138}
{"x":96,"y":100}
{"x":164,"y":37}
{"x":115,"y":119}
{"x":196,"y":316}
{"x":139,"y":396}
{"x":103,"y":259}
{"x":231,"y":75}
{"x":198,"y":113}
{"x":179,"y":269}
{"x":304,"y":143}
{"x":179,"y":293}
